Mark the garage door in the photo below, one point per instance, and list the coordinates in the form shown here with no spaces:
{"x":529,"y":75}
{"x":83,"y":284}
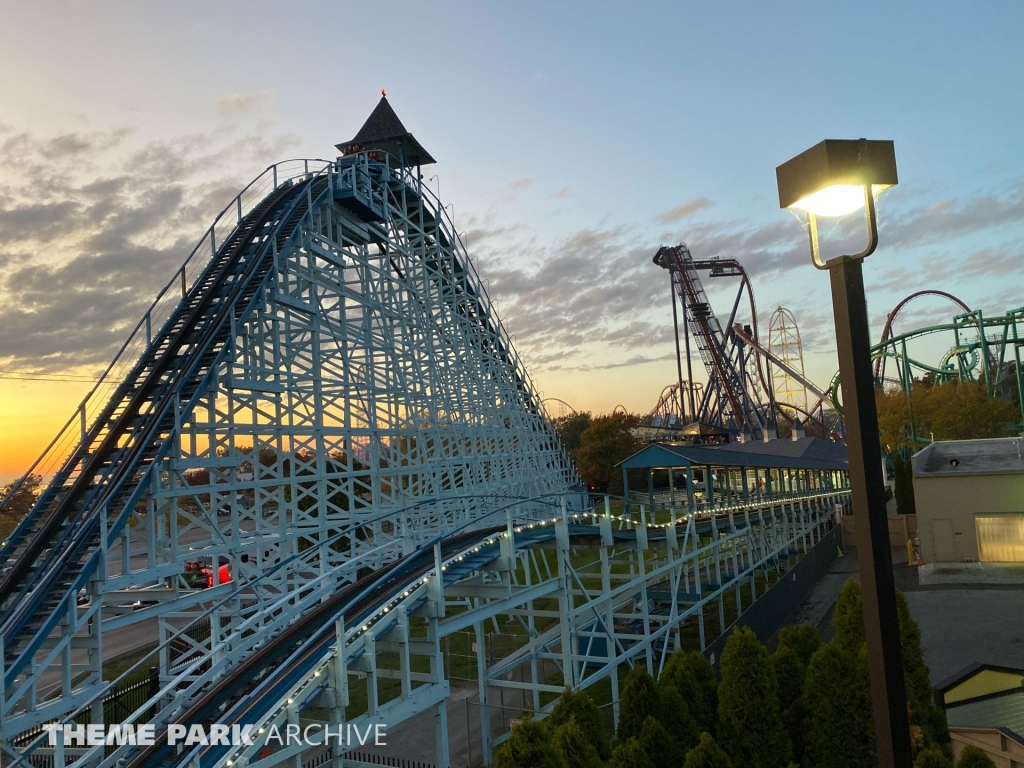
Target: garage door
{"x":1000,"y":538}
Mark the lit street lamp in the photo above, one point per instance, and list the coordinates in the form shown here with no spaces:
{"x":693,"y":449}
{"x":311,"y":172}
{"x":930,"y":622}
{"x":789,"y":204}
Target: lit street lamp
{"x":836,"y":178}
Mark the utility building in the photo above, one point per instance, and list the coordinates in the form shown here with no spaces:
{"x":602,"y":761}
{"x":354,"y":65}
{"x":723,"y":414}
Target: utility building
{"x":970,"y":501}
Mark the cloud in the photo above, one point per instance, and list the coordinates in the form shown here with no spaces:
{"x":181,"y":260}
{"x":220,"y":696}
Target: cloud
{"x":91,"y":229}
{"x":241,"y":104}
{"x":628,"y":363}
{"x":952,"y":219}
{"x":683,"y":211}
{"x":561,"y":193}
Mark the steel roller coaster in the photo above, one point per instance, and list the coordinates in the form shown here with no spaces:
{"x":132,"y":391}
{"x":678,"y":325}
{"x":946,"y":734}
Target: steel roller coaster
{"x":322,"y":415}
{"x":740,"y":396}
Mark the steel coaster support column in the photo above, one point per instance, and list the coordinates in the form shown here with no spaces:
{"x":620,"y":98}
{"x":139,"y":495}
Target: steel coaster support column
{"x":1017,"y":371}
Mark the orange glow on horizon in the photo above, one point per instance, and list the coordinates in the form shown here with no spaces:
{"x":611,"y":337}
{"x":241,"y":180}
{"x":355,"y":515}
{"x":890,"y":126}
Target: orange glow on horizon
{"x":31,"y":414}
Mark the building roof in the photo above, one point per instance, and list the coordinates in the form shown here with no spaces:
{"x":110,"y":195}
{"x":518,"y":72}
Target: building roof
{"x":1002,"y":455}
{"x":816,"y":448}
{"x":979,"y":680}
{"x":769,"y":456}
{"x":985,"y":696}
{"x":384,"y":131}
{"x":1002,"y":710}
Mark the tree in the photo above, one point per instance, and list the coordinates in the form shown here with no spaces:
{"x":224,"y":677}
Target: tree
{"x":790,"y":672}
{"x":574,"y":746}
{"x":893,"y":407}
{"x":804,"y":640}
{"x":838,"y":727}
{"x":658,"y":744}
{"x":528,"y":746}
{"x":603,"y":444}
{"x":903,"y":474}
{"x":676,"y":716}
{"x":569,"y":429}
{"x":692,"y":675}
{"x":933,"y":757}
{"x":581,"y":707}
{"x":707,"y":754}
{"x":923,"y":712}
{"x":629,"y":754}
{"x":945,"y":411}
{"x":20,"y":502}
{"x":638,"y":702}
{"x":972,"y":757}
{"x":750,"y":723}
{"x":848,"y":617}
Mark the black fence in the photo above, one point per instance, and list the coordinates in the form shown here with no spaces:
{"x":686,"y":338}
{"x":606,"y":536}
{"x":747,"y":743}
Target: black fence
{"x":367,"y":757}
{"x":770,"y":611}
{"x":117,"y":706}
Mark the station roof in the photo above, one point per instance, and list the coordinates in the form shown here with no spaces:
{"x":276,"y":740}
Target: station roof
{"x":805,"y":448}
{"x":384,"y":131}
{"x":806,"y":453}
{"x":994,"y":456}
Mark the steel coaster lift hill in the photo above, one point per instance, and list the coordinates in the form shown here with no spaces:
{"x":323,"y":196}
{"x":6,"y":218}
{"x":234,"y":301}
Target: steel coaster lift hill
{"x":738,"y":395}
{"x":324,"y":410}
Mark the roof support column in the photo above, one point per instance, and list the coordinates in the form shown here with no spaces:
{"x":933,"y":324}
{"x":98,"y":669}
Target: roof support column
{"x":709,"y":485}
{"x":689,"y":488}
{"x":650,"y":491}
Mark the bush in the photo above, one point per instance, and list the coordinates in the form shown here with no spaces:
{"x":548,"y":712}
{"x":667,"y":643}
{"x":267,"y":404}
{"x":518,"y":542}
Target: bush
{"x":707,"y":754}
{"x":804,"y":640}
{"x":588,"y":719}
{"x":527,"y":747}
{"x":790,"y":672}
{"x":923,"y":712}
{"x":693,"y":676}
{"x":750,"y":724}
{"x":848,"y":618}
{"x":933,"y":757}
{"x":972,"y":757}
{"x":638,"y":702}
{"x":629,"y":754}
{"x":838,"y":727}
{"x":676,"y":717}
{"x":659,"y":745}
{"x":574,"y":747}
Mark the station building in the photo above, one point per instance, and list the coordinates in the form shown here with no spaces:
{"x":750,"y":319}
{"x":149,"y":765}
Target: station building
{"x":969,"y":496}
{"x":708,"y":476}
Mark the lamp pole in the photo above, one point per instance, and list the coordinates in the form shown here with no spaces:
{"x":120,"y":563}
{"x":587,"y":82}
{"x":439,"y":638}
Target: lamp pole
{"x":834,"y":178}
{"x":867,"y":487}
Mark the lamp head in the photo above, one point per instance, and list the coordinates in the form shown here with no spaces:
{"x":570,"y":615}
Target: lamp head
{"x":829,"y":178}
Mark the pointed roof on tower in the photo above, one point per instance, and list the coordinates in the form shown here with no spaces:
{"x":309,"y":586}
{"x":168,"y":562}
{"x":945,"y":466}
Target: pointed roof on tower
{"x":384,"y":131}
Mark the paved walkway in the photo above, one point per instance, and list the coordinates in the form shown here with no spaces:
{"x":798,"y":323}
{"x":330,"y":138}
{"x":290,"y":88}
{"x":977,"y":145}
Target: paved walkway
{"x":961,"y":624}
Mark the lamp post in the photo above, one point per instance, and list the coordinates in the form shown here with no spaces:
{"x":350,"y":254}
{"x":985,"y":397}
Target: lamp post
{"x":836,"y":178}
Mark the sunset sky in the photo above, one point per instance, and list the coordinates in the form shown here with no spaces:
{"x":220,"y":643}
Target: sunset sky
{"x":572,"y":139}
